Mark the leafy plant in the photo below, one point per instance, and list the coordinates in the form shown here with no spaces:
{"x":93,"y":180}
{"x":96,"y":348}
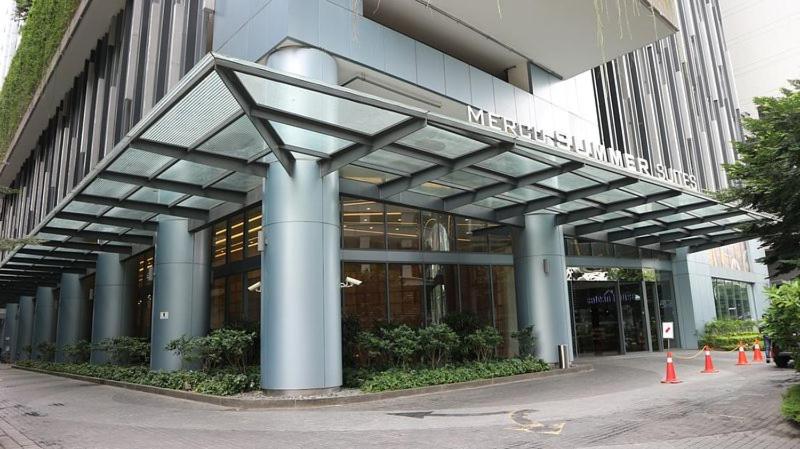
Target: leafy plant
{"x":222,"y":347}
{"x":436,"y":343}
{"x":46,"y":350}
{"x":125,"y":350}
{"x":526,"y":339}
{"x":484,"y":342}
{"x":782,"y":317}
{"x":351,"y":328}
{"x":790,"y":408}
{"x":726,"y":334}
{"x":400,"y":344}
{"x":78,"y":352}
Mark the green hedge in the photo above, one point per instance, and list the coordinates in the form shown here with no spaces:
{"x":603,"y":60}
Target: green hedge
{"x":398,"y":379}
{"x":40,"y":37}
{"x":726,"y":334}
{"x":791,"y":404}
{"x":221,"y":383}
{"x":729,"y":342}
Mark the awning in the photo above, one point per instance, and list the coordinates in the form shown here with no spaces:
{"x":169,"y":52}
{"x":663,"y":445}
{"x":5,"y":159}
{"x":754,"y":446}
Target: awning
{"x":208,"y":144}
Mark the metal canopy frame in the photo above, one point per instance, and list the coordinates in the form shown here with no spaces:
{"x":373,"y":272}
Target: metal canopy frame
{"x":213,"y":138}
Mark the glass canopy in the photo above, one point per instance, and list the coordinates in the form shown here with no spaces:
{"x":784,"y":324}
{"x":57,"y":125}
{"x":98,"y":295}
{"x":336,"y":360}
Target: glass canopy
{"x":209,"y":143}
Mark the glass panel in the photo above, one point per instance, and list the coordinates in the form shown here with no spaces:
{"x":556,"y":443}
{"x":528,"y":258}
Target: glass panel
{"x":253,"y":298}
{"x":219,"y":244}
{"x":217,"y":303}
{"x":599,"y":173}
{"x":650,"y":207}
{"x":207,"y":105}
{"x":441,"y":292}
{"x":109,"y":189}
{"x":666,"y":305}
{"x":240,"y":139}
{"x":437,"y":190}
{"x":567,"y":182}
{"x":525,"y":194}
{"x":235,"y":310}
{"x":633,"y":316}
{"x":494,"y":203}
{"x":365,"y":174}
{"x":403,"y":227}
{"x":394,"y":162}
{"x":199,"y":202}
{"x":512,"y":164}
{"x":471,"y":235}
{"x":437,"y":231}
{"x":65,"y":224}
{"x":475,"y":295}
{"x":157,"y":196}
{"x":240,"y":182}
{"x":467,"y":180}
{"x":138,"y":162}
{"x":191,"y":172}
{"x":682,"y":200}
{"x":365,"y":302}
{"x":405,"y":294}
{"x":303,"y":138}
{"x":646,"y":188}
{"x":349,"y":114}
{"x":106,"y":228}
{"x":611,"y":196}
{"x":500,"y":240}
{"x":85,"y":208}
{"x":441,"y":142}
{"x":363,"y":224}
{"x":254,"y":224}
{"x":595,"y":312}
{"x":236,"y":236}
{"x":505,"y":308}
{"x":119,"y":212}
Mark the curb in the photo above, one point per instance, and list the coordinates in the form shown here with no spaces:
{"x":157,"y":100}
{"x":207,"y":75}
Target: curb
{"x":239,"y":403}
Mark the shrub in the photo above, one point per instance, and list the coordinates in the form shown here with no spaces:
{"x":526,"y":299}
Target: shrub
{"x":373,"y":346}
{"x":436,"y":343}
{"x":396,"y":379}
{"x":782,"y":318}
{"x":727,"y":334}
{"x":222,"y":347}
{"x":527,"y":341}
{"x":351,"y":329}
{"x":400,"y":344}
{"x":78,"y":352}
{"x":125,"y":350}
{"x":46,"y":350}
{"x":791,"y":404}
{"x":484,"y":342}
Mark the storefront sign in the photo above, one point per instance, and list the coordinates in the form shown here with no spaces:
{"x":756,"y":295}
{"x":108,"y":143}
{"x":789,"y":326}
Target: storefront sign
{"x":599,"y":153}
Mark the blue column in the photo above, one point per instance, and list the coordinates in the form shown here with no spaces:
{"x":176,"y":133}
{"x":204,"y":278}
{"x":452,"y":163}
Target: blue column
{"x":71,"y":312}
{"x":300,"y":267}
{"x":181,"y":289}
{"x":540,"y":272}
{"x":10,"y":329}
{"x":25,"y":328}
{"x":111,"y":316}
{"x":44,"y":323}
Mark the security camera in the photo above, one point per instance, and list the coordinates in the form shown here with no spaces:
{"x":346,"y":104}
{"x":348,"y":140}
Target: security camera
{"x":255,"y":287}
{"x":350,"y":282}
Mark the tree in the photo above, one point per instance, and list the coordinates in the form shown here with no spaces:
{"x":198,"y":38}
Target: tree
{"x":782,"y":317}
{"x":767,"y":176}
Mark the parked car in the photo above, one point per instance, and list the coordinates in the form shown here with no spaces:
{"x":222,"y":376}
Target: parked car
{"x":782,"y":358}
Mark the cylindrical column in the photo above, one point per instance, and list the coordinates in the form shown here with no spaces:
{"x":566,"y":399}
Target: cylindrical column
{"x":181,"y":289}
{"x":110,"y":317}
{"x":11,"y":327}
{"x":540,"y":272}
{"x":71,"y":310}
{"x":25,"y":328}
{"x":300,"y":300}
{"x":44,"y":323}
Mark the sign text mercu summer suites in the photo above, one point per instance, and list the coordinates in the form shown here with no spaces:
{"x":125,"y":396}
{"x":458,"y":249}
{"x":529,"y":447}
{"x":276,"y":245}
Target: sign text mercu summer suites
{"x":599,"y":153}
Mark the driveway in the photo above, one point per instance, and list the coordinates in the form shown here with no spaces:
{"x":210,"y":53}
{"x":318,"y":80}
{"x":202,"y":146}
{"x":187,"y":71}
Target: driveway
{"x":621,"y":403}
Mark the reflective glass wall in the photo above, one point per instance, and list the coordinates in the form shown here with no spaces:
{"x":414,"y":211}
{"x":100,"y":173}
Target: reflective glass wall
{"x":732,"y":299}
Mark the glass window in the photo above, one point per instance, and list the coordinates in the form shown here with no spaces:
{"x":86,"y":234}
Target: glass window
{"x":403,"y":227}
{"x":219,"y":244}
{"x":254,"y":217}
{"x":363,"y":224}
{"x":471,"y":235}
{"x":500,"y":239}
{"x":217,"y":303}
{"x":437,"y":230}
{"x":253,"y":298}
{"x":366,"y":302}
{"x":441,"y":292}
{"x":505,"y":307}
{"x":405,"y":294}
{"x":732,"y":299}
{"x":236,"y":248}
{"x":475,"y":292}
{"x":235,"y":310}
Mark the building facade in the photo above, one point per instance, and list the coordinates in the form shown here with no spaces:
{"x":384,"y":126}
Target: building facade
{"x":452,"y":156}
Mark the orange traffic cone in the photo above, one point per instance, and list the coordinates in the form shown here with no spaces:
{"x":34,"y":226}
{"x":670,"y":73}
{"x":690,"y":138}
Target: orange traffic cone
{"x":742,"y":356}
{"x":671,"y":377}
{"x":709,"y":364}
{"x":757,"y":356}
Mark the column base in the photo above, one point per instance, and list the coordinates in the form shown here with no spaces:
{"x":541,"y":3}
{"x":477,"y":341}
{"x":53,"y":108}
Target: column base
{"x":306,"y":392}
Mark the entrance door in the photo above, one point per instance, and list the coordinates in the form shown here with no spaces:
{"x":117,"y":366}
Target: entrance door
{"x":595,"y":311}
{"x":634,"y":322}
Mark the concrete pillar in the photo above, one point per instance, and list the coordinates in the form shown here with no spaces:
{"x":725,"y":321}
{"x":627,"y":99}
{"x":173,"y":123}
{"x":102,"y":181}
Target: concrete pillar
{"x":540,"y":272}
{"x":44,"y":323}
{"x":10,"y":329}
{"x":181,"y":289}
{"x":111,"y":316}
{"x":25,"y":328}
{"x":71,"y":312}
{"x":300,"y":275}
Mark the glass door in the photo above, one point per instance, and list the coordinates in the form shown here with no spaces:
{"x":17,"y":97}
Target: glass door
{"x":634,"y":323}
{"x":655,"y":323}
{"x":595,"y":312}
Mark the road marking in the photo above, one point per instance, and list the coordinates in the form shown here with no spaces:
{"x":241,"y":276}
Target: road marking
{"x":532,"y":426}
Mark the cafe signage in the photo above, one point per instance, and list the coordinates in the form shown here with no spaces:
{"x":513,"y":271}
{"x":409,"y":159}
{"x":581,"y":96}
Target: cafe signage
{"x":593,"y":151}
